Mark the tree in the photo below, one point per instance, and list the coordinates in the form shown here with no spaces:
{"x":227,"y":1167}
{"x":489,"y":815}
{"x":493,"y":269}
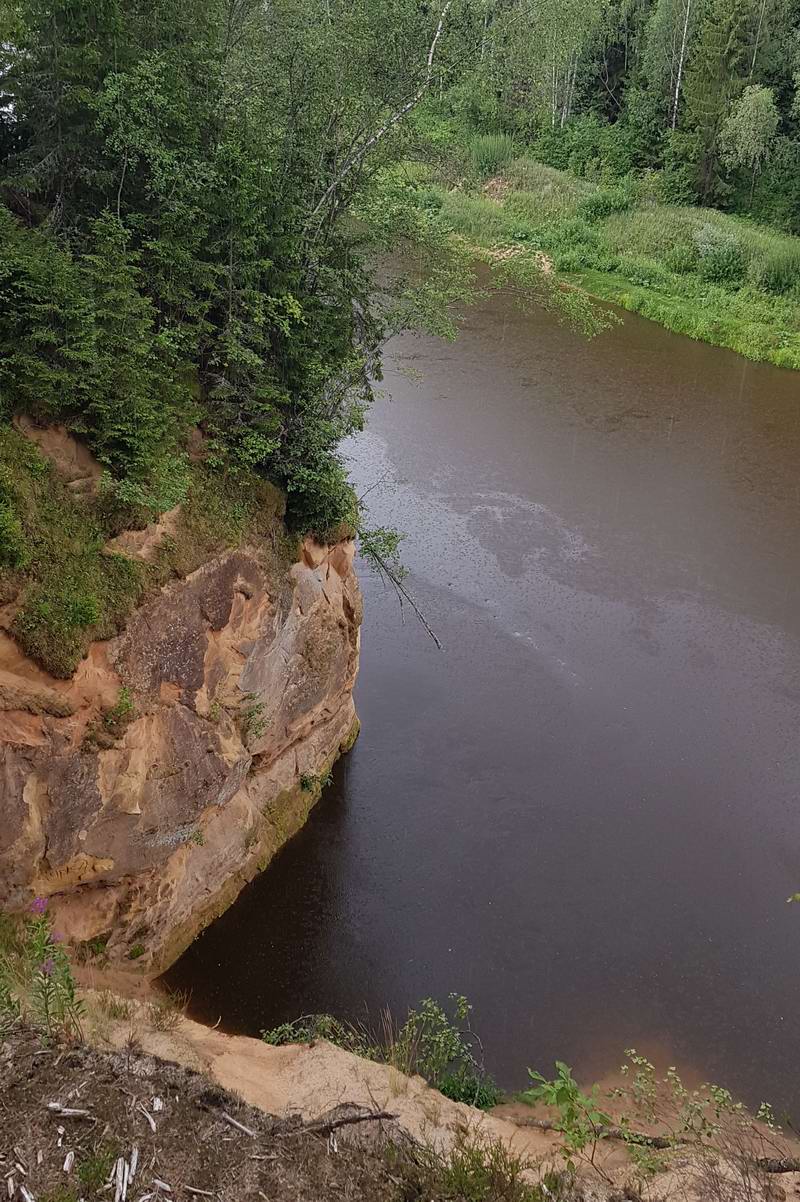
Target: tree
{"x":668,"y":39}
{"x":714,"y":78}
{"x":748,"y":134}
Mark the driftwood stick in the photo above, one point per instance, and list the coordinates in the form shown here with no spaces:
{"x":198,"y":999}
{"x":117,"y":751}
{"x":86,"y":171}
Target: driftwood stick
{"x":235,"y":1123}
{"x":68,"y":1112}
{"x":628,"y":1136}
{"x":779,"y":1164}
{"x":347,"y":1119}
{"x":325,"y":1126}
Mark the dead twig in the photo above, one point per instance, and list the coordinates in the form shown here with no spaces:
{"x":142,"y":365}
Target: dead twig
{"x":235,"y":1123}
{"x":326,"y":1126}
{"x":68,"y":1112}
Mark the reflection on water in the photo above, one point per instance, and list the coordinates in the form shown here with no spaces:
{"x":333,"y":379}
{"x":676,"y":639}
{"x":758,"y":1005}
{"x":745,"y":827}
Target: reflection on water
{"x":583,"y":814}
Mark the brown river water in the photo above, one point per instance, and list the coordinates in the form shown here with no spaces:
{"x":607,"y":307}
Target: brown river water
{"x":583,"y":813}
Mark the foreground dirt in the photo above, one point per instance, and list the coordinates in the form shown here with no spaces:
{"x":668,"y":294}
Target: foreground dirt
{"x":140,"y":1128}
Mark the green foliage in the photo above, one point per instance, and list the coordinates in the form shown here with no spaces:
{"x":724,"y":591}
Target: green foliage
{"x":699,"y":272}
{"x":253,"y":717}
{"x":311,"y":1027}
{"x":720,"y":257}
{"x":36,"y":981}
{"x":14,"y":551}
{"x":777,"y":269}
{"x":474,"y":1089}
{"x":380,"y":548}
{"x":175,"y":243}
{"x":89,"y":598}
{"x":94,"y":1167}
{"x":580,"y":1121}
{"x":137,"y":951}
{"x":72,"y":590}
{"x":121,"y":713}
{"x":603,"y":202}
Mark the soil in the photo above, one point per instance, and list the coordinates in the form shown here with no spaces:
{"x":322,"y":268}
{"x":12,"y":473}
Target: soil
{"x":188,"y":1148}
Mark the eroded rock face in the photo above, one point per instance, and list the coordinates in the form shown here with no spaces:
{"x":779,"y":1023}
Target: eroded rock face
{"x":241,"y":678}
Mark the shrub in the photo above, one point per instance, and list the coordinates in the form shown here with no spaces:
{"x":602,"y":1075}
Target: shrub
{"x":603,"y":203}
{"x":121,"y":713}
{"x":581,"y":1122}
{"x":166,"y":1011}
{"x":721,"y":258}
{"x":475,"y":1169}
{"x":430,"y":1042}
{"x":474,"y":1089}
{"x":682,"y":257}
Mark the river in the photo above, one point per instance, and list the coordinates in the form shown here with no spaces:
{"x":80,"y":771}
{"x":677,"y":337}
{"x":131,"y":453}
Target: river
{"x":582,"y":813}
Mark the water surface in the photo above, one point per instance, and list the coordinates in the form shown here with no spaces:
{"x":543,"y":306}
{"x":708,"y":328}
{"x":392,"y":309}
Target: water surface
{"x":584,"y":813}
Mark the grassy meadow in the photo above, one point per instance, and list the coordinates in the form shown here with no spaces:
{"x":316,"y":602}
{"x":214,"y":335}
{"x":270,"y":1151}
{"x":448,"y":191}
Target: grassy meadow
{"x":722,"y":279}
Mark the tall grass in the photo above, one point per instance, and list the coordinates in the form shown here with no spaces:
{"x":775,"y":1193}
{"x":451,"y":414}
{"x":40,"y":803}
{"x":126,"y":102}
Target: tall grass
{"x":489,"y":153}
{"x":778,"y":269}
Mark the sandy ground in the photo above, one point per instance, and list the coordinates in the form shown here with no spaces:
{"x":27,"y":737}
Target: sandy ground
{"x":307,"y":1081}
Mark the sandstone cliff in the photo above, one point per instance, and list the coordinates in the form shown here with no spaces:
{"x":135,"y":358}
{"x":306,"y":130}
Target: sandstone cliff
{"x":142,"y":793}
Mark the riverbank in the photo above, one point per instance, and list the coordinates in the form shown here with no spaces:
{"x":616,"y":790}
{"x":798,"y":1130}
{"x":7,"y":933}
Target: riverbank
{"x":151,"y":1101}
{"x":713,"y":277}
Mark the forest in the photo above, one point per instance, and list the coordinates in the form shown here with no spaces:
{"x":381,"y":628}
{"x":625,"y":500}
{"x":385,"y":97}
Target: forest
{"x":702,"y":92}
{"x":196,"y":199}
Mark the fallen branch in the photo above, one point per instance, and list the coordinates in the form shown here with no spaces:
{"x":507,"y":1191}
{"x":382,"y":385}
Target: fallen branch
{"x":325,"y":1126}
{"x":403,"y":593}
{"x":779,"y":1164}
{"x":68,"y":1112}
{"x":622,"y":1133}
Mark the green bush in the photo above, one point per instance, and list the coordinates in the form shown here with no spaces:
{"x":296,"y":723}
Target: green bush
{"x":682,"y":257}
{"x":721,"y":258}
{"x":471,"y":1087}
{"x":603,"y":203}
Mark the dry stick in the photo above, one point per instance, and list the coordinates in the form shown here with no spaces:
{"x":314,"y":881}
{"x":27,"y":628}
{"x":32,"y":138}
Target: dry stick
{"x":68,"y":1112}
{"x":235,"y":1123}
{"x":403,"y":594}
{"x":630,"y":1137}
{"x":332,"y":1124}
{"x":778,"y":1164}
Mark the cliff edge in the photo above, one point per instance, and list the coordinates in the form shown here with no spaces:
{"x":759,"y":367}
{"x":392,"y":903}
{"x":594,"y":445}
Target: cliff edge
{"x":141,"y":791}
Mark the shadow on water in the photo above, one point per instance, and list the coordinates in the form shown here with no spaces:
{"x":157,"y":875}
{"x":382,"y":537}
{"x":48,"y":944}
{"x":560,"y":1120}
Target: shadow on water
{"x":583,"y":814}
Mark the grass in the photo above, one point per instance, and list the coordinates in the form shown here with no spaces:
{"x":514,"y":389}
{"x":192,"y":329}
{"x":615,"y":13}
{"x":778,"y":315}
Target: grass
{"x":94,"y":1168}
{"x":489,"y":153}
{"x":713,"y":277}
{"x":69,"y":589}
{"x":166,"y":1011}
